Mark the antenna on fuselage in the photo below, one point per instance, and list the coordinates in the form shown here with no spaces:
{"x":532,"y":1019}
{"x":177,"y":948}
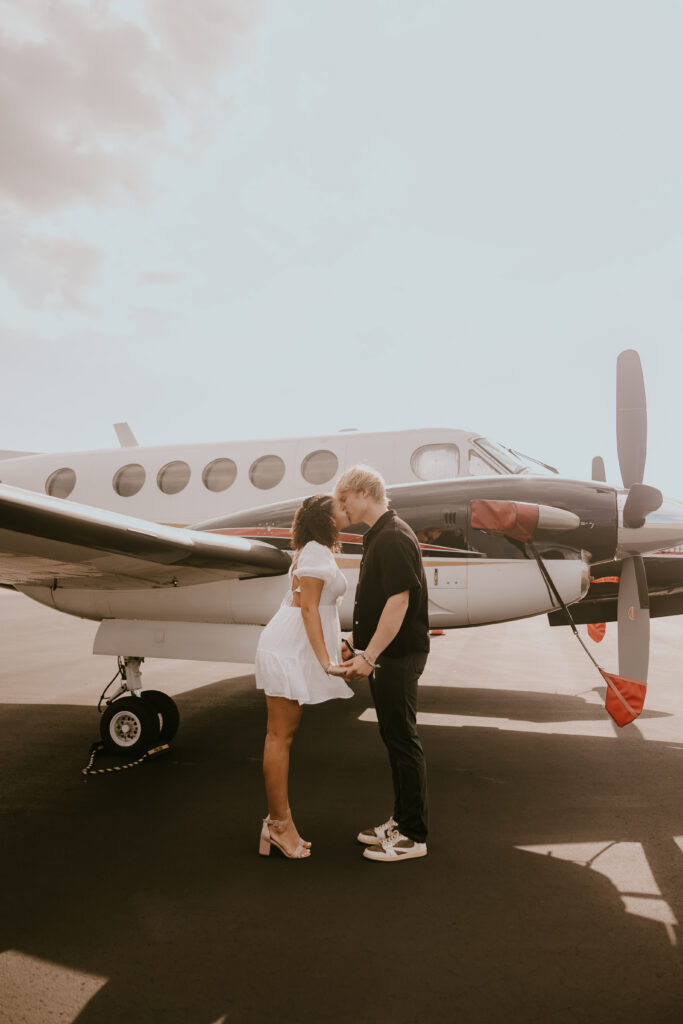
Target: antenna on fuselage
{"x":598,"y":469}
{"x":125,"y":435}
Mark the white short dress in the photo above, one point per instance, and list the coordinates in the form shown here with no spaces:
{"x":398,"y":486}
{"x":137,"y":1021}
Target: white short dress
{"x":286,"y":665}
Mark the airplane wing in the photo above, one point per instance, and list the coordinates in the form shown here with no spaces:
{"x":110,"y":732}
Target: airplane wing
{"x":46,"y":541}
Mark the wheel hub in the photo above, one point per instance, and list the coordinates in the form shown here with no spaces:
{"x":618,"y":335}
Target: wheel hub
{"x":125,"y":729}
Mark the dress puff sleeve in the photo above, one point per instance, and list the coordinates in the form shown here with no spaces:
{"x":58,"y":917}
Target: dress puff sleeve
{"x":315,"y":560}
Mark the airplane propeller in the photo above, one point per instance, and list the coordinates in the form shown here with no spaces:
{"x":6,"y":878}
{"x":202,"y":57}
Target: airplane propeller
{"x":633,"y":604}
{"x":635,"y":536}
{"x":631,"y":418}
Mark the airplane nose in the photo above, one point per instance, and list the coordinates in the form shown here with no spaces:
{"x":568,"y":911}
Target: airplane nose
{"x":661,"y":530}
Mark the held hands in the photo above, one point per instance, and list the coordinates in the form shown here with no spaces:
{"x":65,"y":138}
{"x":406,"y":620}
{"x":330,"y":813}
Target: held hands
{"x":338,"y":670}
{"x":357,"y":668}
{"x":348,"y":655}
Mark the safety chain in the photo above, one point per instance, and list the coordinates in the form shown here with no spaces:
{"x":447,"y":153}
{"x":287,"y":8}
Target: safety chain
{"x":97,"y":748}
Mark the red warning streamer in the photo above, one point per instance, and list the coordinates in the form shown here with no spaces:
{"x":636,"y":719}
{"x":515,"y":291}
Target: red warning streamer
{"x":625,"y":697}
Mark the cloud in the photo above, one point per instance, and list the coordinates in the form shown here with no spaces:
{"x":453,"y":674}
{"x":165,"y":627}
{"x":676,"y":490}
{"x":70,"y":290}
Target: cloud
{"x":197,"y":38}
{"x":70,"y":102}
{"x":85,"y":88}
{"x":47,"y":272}
{"x":87,"y":91}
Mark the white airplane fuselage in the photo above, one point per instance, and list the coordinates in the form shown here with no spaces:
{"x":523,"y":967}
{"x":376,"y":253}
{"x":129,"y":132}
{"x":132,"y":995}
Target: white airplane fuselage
{"x":175,"y":483}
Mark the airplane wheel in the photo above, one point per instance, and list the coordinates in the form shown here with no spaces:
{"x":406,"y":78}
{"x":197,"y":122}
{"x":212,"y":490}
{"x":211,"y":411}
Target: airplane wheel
{"x":129,"y":726}
{"x":167,"y":712}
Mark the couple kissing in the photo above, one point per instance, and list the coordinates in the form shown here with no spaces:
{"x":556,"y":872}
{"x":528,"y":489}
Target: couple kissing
{"x":302,"y":659}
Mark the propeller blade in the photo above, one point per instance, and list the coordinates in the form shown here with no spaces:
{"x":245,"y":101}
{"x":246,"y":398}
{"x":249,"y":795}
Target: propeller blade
{"x":641,"y":500}
{"x":631,"y":418}
{"x":633,"y":614}
{"x":598,"y":469}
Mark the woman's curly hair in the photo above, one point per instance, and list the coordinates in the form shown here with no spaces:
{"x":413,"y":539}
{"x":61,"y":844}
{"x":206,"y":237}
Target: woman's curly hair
{"x":314,"y":521}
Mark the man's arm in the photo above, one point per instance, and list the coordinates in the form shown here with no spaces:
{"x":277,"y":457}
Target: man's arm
{"x":390,"y":622}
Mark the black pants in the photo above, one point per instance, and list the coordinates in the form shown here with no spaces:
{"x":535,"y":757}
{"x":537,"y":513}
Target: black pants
{"x":394,"y":691}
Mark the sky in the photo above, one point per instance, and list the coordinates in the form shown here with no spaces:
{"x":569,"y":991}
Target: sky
{"x":257,"y":218}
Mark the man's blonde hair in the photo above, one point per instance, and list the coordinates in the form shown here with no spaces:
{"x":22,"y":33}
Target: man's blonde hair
{"x":361,"y":478}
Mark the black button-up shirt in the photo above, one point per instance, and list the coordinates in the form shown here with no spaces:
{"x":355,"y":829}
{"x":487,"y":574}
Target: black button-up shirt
{"x":391,"y":563}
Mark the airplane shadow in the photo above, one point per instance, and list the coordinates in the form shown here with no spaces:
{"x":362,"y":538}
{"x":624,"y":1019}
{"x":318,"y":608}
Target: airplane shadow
{"x":150,"y":878}
{"x":518,"y":705}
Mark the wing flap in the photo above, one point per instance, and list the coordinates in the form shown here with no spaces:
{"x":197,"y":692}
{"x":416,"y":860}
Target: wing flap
{"x":53,"y":542}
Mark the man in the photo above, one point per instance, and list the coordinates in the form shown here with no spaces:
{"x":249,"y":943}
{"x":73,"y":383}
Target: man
{"x":391,"y":636}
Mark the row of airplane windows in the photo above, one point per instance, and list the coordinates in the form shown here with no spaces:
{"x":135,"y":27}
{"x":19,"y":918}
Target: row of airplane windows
{"x":429,"y":462}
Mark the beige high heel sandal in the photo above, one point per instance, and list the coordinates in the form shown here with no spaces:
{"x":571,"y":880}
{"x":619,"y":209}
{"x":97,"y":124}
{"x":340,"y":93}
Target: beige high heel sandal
{"x":306,"y":842}
{"x":267,"y":839}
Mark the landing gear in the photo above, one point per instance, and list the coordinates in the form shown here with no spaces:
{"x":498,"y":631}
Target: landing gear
{"x":166,"y":710}
{"x":136,"y":720}
{"x":129,"y":726}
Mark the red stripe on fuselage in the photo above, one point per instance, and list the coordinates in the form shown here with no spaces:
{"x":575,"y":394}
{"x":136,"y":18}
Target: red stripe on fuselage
{"x":272,"y":531}
{"x":344,"y":538}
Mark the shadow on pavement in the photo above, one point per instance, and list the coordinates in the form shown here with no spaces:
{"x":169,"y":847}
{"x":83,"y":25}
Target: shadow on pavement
{"x":151,"y":877}
{"x":519,"y":705}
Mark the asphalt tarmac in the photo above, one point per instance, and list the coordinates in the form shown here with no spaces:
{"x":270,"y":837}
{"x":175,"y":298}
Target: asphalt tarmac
{"x":552,"y":892}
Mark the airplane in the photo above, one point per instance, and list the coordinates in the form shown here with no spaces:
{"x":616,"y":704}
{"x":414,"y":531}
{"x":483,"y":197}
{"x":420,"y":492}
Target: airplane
{"x":206,"y":591}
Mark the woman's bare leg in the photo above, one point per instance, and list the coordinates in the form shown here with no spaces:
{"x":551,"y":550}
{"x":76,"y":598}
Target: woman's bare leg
{"x":283,"y":721}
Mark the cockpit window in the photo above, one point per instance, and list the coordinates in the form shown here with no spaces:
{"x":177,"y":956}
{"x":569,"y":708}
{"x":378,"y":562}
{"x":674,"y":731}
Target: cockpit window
{"x":479,"y":466}
{"x":436,"y":462}
{"x":503,"y":455}
{"x":532,"y":464}
{"x":513,"y":461}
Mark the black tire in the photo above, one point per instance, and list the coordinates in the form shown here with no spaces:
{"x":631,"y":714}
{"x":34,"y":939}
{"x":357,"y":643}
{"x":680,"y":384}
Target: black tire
{"x":129,"y":726}
{"x":167,"y":711}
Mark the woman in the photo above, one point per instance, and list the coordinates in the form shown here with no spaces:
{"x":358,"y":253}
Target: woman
{"x":298,"y":657}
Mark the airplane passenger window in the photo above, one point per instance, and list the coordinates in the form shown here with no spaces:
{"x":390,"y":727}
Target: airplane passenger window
{"x":129,"y":480}
{"x":319,"y":467}
{"x":219,"y":474}
{"x":479,"y":467}
{"x":436,"y":462}
{"x":61,"y":483}
{"x":267,"y":472}
{"x":173,"y":477}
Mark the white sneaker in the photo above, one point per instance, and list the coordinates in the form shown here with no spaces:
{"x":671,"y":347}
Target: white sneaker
{"x":373,"y":836}
{"x":396,"y":847}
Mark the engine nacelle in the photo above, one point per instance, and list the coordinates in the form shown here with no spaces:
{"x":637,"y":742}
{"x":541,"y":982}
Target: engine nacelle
{"x":488,"y":590}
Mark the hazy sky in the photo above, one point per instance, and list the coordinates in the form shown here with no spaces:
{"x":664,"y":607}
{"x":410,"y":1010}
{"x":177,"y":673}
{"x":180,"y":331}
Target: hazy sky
{"x":237,"y":218}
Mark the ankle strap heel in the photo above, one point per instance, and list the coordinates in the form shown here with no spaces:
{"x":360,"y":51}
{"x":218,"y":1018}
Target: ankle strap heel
{"x":267,"y":840}
{"x":264,"y":840}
